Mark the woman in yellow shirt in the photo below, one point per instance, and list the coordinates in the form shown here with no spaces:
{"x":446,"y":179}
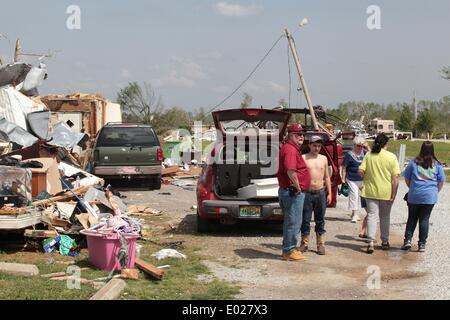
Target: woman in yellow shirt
{"x":381,"y":172}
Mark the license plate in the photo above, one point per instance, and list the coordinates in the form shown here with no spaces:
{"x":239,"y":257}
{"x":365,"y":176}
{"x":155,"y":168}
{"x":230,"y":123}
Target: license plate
{"x":250,"y":211}
{"x":128,"y":170}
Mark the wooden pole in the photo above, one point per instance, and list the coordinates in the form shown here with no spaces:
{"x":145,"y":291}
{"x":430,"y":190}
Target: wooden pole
{"x":17,"y":51}
{"x":302,"y":79}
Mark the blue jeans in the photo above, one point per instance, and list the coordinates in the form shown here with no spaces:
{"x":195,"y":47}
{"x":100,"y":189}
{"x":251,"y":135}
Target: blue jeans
{"x":292,"y":208}
{"x":316,"y":202}
{"x":421,"y":213}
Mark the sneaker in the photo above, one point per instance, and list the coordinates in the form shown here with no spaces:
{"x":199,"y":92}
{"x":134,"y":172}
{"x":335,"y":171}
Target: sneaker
{"x":421,"y":247}
{"x":355,"y":219}
{"x":294,"y":255}
{"x":406,"y":245}
{"x":385,"y":245}
{"x":370,"y":248}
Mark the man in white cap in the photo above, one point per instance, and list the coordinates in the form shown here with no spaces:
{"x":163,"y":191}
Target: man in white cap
{"x":318,"y":195}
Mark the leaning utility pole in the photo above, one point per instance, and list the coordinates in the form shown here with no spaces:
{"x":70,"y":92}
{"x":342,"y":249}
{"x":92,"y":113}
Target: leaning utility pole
{"x":17,"y":51}
{"x":302,"y":79}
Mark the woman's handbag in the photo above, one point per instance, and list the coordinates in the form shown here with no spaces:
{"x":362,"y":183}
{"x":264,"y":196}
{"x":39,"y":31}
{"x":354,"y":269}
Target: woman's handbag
{"x":344,"y":189}
{"x":405,"y":197}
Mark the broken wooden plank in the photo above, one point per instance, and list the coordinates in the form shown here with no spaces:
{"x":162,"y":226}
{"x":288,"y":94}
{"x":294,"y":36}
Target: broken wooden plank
{"x":54,"y":275}
{"x":169,"y":170}
{"x":111,"y":291}
{"x":64,"y":197}
{"x":132,"y":274}
{"x":30,"y":233}
{"x":19,"y":269}
{"x":149,"y":269}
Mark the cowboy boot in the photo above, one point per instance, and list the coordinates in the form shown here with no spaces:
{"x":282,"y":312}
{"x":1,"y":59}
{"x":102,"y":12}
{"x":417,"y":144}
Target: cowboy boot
{"x":320,"y":243}
{"x":304,"y":243}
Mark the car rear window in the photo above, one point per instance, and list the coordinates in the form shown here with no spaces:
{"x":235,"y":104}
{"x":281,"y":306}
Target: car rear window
{"x":127,"y":136}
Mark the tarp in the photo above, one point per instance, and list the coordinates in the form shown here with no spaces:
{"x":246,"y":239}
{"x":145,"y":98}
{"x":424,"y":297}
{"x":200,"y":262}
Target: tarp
{"x":64,"y":137}
{"x":14,"y":106}
{"x":14,"y":73}
{"x":16,"y":134}
{"x":39,"y":123}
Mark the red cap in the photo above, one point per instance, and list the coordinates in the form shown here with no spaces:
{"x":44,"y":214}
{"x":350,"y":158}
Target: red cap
{"x":295,"y":127}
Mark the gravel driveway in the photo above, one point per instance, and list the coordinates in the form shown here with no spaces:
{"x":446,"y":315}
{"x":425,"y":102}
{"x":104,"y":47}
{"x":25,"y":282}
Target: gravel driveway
{"x":435,"y":261}
{"x":249,"y":254}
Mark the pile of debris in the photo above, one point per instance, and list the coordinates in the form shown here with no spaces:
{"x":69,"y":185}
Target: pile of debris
{"x":182,"y":176}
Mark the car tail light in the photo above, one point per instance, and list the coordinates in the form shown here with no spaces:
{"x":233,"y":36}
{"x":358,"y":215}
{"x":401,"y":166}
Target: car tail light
{"x":203,"y":192}
{"x":252,"y":113}
{"x":159,"y":155}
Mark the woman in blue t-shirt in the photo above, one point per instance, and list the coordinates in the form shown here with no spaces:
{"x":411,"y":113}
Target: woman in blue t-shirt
{"x":350,"y":175}
{"x":424,"y":177}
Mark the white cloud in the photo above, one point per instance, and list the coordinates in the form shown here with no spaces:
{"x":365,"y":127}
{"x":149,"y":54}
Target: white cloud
{"x":275,"y":87}
{"x":236,"y":10}
{"x":251,"y":87}
{"x":180,"y":72}
{"x":213,"y":55}
{"x":175,"y":80}
{"x":221,"y":89}
{"x":125,"y":73}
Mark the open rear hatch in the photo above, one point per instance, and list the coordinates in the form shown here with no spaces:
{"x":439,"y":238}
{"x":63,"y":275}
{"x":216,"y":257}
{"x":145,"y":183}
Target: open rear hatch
{"x":239,"y":167}
{"x":237,"y":120}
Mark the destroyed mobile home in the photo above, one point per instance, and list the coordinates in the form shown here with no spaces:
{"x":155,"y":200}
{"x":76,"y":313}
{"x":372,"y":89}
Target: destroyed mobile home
{"x":45,"y":187}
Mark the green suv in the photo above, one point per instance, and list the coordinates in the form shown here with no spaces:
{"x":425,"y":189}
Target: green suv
{"x":125,"y":151}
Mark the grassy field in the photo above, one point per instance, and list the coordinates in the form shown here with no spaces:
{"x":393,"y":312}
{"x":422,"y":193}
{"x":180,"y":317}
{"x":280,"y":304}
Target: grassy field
{"x":179,"y":282}
{"x":441,"y":150}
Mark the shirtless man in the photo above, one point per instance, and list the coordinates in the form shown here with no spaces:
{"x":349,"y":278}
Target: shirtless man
{"x":318,"y":195}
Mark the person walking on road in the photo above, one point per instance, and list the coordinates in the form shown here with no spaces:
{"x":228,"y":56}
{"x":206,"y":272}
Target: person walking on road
{"x":381,"y":173}
{"x":350,"y":175}
{"x":318,"y":195}
{"x":293,"y":179}
{"x":425,"y":178}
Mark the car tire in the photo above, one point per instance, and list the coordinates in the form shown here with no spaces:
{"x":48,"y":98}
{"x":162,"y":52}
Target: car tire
{"x":155,"y":183}
{"x":203,"y":225}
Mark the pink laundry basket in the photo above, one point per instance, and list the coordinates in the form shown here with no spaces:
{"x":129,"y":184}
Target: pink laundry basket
{"x":103,"y":250}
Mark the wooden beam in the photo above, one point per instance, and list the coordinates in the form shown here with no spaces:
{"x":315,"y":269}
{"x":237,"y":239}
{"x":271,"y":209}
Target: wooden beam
{"x":149,"y":269}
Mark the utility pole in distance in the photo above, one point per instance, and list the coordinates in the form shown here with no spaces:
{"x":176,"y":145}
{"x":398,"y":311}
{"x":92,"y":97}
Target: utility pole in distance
{"x":302,"y":79}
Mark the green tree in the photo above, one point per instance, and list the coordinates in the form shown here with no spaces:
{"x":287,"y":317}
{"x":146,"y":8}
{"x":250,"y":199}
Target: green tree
{"x":445,"y":72}
{"x":425,"y":122}
{"x":173,"y":118}
{"x":405,"y":122}
{"x":247,"y":102}
{"x":138,"y":103}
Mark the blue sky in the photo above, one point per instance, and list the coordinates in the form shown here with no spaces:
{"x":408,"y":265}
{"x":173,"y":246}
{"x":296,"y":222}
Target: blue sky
{"x":195,"y":52}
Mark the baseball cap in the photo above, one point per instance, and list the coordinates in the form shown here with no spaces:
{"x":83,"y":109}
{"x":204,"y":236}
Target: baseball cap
{"x":315,"y":139}
{"x":295,"y":127}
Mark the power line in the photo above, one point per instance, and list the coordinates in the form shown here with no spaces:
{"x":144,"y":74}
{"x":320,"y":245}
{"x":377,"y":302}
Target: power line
{"x":249,"y":76}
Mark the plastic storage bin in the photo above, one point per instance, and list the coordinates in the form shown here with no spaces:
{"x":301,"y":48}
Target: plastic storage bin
{"x":103,"y":250}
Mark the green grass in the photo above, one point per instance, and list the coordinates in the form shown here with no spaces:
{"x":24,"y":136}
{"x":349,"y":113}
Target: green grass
{"x":441,"y":150}
{"x":180,"y":280}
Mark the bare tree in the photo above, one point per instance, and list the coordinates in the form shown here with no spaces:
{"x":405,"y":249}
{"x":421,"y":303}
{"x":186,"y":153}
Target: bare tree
{"x":445,"y":72}
{"x":142,"y":104}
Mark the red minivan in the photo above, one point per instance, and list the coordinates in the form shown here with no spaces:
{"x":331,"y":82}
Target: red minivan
{"x":246,"y":149}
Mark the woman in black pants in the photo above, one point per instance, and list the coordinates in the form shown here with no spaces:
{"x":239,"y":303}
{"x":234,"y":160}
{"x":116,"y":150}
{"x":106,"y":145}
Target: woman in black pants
{"x":425,"y":177}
